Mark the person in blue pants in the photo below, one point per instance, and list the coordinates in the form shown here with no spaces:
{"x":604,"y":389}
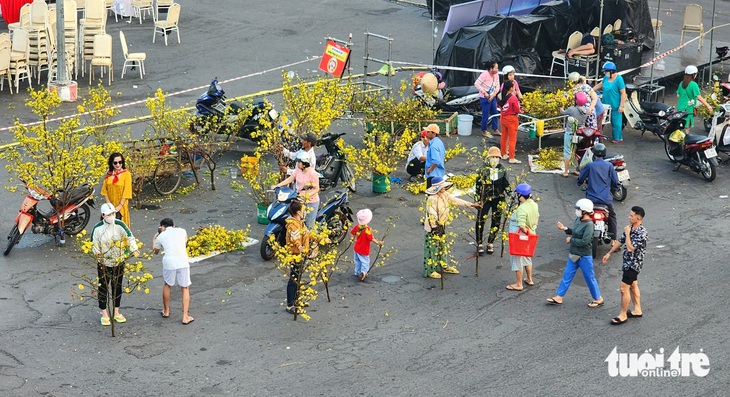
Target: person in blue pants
{"x":488,"y":86}
{"x":614,"y":94}
{"x":580,"y":238}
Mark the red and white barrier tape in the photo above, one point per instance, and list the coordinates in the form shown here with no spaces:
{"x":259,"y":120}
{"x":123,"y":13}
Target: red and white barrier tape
{"x":124,"y":105}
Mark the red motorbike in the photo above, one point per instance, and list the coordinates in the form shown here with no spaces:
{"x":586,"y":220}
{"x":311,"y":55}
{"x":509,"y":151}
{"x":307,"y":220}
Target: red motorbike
{"x":72,"y":206}
{"x":600,"y":227}
{"x":585,"y":138}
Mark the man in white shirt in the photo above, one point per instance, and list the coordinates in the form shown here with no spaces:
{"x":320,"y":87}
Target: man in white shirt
{"x":175,"y":266}
{"x":308,"y":141}
{"x":416,"y":162}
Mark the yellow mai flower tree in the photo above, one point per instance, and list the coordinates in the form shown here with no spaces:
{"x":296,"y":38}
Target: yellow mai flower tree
{"x":382,"y":154}
{"x":54,"y":156}
{"x":136,"y":275}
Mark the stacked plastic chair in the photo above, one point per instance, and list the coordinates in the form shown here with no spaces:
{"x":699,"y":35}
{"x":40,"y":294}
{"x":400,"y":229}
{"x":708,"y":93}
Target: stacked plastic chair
{"x":53,"y":56}
{"x":5,"y":46}
{"x":38,"y":38}
{"x":71,"y":31}
{"x":93,"y":24}
{"x":20,"y":52}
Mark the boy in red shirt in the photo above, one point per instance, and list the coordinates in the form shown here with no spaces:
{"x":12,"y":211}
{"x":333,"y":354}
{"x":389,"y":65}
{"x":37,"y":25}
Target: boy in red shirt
{"x":363,"y":236}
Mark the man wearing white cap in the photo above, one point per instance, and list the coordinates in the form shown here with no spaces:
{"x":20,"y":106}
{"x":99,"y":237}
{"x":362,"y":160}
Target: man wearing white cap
{"x":113,"y":243}
{"x":363,"y":236}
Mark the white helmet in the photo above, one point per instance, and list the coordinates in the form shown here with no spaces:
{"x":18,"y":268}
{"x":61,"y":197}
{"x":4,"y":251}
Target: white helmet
{"x":305,"y":158}
{"x":691,"y":69}
{"x":507,"y":70}
{"x":574,"y":77}
{"x":584,"y":205}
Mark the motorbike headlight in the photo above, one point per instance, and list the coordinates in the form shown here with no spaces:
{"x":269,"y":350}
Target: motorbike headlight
{"x":35,"y":194}
{"x":282,"y":196}
{"x":661,"y":113}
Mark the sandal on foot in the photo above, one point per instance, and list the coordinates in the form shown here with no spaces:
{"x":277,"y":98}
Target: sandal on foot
{"x":511,"y":288}
{"x":120,"y":319}
{"x":552,"y":301}
{"x":617,"y":321}
{"x":595,"y":304}
{"x":490,"y":249}
{"x":163,"y":315}
{"x":629,"y":314}
{"x":530,"y":284}
{"x":105,"y":321}
{"x":480,"y":249}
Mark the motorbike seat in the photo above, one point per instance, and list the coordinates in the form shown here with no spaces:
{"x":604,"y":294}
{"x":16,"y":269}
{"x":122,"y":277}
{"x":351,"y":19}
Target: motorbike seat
{"x":463,"y":91}
{"x":656,"y":107}
{"x":74,"y":195}
{"x":600,"y":207}
{"x":613,"y":156}
{"x":694,"y":138}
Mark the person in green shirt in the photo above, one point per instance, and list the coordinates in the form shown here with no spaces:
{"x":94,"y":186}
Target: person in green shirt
{"x":524,"y":220}
{"x":580,"y":238}
{"x":688,"y":94}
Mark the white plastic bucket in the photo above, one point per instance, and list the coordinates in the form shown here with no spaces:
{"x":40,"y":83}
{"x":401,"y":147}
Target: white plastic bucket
{"x":464,"y":122}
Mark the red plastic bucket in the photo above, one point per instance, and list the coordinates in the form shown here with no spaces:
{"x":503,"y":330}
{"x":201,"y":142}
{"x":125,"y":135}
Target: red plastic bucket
{"x":522,"y":244}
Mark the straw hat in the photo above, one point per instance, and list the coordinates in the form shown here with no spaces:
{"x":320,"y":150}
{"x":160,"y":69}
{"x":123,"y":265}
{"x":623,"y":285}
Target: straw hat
{"x":437,"y":184}
{"x":494,"y":152}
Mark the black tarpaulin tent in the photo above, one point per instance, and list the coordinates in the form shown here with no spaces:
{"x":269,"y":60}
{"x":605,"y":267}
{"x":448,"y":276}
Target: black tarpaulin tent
{"x":527,"y":41}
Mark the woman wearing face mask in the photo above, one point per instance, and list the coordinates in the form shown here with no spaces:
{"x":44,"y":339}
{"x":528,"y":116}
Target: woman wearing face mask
{"x":488,"y":86}
{"x":491,"y":187}
{"x":113,"y":242}
{"x":688,"y":94}
{"x":117,"y":186}
{"x":580,"y":238}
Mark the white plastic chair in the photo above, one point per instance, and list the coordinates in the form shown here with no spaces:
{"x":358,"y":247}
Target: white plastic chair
{"x":20,"y":51}
{"x":102,"y":57}
{"x":693,"y":22}
{"x":169,"y":24}
{"x":656,"y":25}
{"x":608,"y":29}
{"x":162,"y":4}
{"x":5,"y":67}
{"x":132,"y":60}
{"x":141,"y":6}
{"x":559,"y":58}
{"x":617,"y":25}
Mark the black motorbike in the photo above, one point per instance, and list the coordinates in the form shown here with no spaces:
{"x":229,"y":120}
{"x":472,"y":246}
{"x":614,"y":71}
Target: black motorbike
{"x":645,"y":116}
{"x":332,"y":165}
{"x":462,"y":99}
{"x":335,"y":213}
{"x":695,"y":151}
{"x":213,"y":104}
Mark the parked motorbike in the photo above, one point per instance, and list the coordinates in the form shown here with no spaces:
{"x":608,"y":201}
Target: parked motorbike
{"x":332,"y":166}
{"x":720,"y":130}
{"x":600,"y":227}
{"x":213,"y":103}
{"x":584,"y":139}
{"x":648,"y":116}
{"x":335,"y":213}
{"x":76,"y":213}
{"x":725,"y":88}
{"x":463,"y":99}
{"x":695,"y":151}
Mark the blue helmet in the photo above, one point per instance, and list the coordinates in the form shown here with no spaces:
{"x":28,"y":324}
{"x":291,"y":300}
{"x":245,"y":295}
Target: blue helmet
{"x":609,"y":66}
{"x":523,"y":189}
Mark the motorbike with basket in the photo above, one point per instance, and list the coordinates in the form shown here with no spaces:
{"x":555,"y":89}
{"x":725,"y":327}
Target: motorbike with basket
{"x":72,"y":206}
{"x":335,"y":213}
{"x":694,"y":151}
{"x":213,"y":104}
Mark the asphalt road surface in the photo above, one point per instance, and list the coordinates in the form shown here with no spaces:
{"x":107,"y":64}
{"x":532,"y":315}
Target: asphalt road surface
{"x":397,"y":334}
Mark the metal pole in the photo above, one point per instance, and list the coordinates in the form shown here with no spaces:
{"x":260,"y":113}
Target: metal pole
{"x":598,"y":47}
{"x":712,"y":36}
{"x":656,"y":32}
{"x":433,"y":30}
{"x":60,"y":45}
